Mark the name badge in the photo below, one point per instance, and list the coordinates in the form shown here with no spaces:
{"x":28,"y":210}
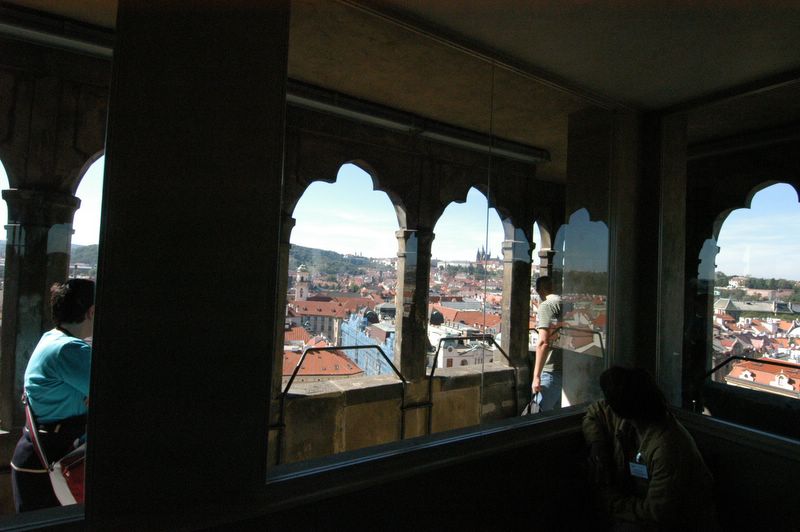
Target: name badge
{"x":638,"y":470}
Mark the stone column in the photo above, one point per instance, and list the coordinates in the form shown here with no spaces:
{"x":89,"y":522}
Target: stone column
{"x":282,"y":282}
{"x":516,"y":299}
{"x":413,"y":279}
{"x":516,"y":309}
{"x":411,"y":344}
{"x":39,"y":234}
{"x":190,"y":259}
{"x":669,"y":166}
{"x":546,"y":262}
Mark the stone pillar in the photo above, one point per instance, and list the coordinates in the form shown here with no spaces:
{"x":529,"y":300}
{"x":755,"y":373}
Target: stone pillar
{"x":516,"y":299}
{"x":282,"y":282}
{"x":39,"y":234}
{"x":287,"y":224}
{"x":413,"y":279}
{"x":187,"y":292}
{"x":516,"y":309}
{"x":669,"y":165}
{"x":546,"y":262}
{"x":411,"y":344}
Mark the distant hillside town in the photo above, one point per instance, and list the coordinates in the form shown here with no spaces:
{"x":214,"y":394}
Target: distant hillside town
{"x":335,"y":301}
{"x":763,"y":325}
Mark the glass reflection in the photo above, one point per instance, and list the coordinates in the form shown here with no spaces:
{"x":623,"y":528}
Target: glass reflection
{"x":582,"y":263}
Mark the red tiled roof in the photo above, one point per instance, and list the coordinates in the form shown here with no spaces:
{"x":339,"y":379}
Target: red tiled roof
{"x":321,"y":363}
{"x":765,"y":373}
{"x":472,"y":318}
{"x":320,"y":308}
{"x":600,"y":320}
{"x":297,"y":334}
{"x":353,"y":304}
{"x":781,"y":342}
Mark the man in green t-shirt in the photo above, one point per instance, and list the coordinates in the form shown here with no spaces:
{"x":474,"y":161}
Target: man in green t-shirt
{"x":547,"y":366}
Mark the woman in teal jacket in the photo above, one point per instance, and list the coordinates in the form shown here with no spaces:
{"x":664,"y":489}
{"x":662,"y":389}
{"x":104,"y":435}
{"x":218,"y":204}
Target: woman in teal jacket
{"x":57,"y":390}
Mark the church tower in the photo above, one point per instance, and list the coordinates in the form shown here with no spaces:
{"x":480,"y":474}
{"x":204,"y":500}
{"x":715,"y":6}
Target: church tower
{"x":301,"y":284}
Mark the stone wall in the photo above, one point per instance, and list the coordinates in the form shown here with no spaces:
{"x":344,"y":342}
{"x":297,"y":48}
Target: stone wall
{"x":330,"y":417}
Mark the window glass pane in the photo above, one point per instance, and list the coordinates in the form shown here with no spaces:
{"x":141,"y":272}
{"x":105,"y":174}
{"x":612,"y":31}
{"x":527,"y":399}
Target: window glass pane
{"x":340,"y":300}
{"x":583,"y":246}
{"x":4,"y":218}
{"x":466,"y":293}
{"x":756,"y":293}
{"x":86,"y":224}
{"x":421,"y":135}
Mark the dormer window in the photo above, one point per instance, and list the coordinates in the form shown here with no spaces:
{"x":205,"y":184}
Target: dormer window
{"x":781,"y":381}
{"x":748,"y":375}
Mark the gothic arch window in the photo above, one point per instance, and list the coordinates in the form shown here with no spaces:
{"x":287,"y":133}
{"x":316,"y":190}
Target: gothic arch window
{"x":466,"y":285}
{"x":579,"y":272}
{"x":86,"y":223}
{"x":340,"y":293}
{"x":751,"y":267}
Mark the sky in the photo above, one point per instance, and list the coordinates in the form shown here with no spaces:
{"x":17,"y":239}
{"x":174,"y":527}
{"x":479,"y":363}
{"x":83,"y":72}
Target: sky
{"x":762,"y":241}
{"x":87,"y":217}
{"x":363,"y":221}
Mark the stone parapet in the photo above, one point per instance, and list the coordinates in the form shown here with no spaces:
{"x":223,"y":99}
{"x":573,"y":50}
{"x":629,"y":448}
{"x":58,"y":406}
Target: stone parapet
{"x":329,"y":417}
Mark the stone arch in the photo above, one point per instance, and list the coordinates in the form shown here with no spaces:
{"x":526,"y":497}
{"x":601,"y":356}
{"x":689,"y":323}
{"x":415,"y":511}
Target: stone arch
{"x":748,"y":202}
{"x":327,"y":170}
{"x":587,"y":227}
{"x":4,"y":184}
{"x":397,"y":202}
{"x":90,"y":193}
{"x":462,"y":200}
{"x":85,"y":168}
{"x":713,"y":251}
{"x":703,"y":289}
{"x":513,"y":231}
{"x":347,"y":190}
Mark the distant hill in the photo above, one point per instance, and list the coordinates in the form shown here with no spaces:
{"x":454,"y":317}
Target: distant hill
{"x":85,"y":254}
{"x":317,"y":260}
{"x":330,"y":262}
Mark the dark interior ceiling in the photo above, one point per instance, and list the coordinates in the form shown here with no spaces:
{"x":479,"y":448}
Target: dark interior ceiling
{"x":647,"y":54}
{"x":517,"y":68}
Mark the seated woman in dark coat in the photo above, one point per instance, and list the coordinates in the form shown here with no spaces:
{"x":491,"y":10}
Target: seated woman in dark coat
{"x":649,"y":472}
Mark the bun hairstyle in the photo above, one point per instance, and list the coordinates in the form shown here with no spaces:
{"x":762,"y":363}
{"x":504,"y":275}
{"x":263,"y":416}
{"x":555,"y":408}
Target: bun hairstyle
{"x":70,"y":301}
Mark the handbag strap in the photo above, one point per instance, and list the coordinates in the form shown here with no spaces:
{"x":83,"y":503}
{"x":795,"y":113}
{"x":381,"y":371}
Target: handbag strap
{"x":33,"y":432}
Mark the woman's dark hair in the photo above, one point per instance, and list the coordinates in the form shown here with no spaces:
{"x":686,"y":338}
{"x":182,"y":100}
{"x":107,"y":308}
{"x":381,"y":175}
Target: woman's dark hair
{"x":632,"y":393}
{"x":70,"y":301}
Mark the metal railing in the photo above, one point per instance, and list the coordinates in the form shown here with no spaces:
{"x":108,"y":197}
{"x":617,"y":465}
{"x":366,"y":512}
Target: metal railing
{"x":728,"y":360}
{"x":581,"y":330}
{"x":280,"y":426}
{"x":481,"y":337}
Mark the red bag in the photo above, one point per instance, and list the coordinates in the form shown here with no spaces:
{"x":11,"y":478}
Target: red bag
{"x":66,"y":476}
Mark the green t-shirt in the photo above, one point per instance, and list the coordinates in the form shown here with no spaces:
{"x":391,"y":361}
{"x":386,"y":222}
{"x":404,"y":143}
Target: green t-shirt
{"x":548,"y":317}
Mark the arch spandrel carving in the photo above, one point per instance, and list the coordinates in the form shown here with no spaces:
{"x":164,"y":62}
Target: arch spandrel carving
{"x":747,"y":203}
{"x":85,"y":168}
{"x":39,"y":151}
